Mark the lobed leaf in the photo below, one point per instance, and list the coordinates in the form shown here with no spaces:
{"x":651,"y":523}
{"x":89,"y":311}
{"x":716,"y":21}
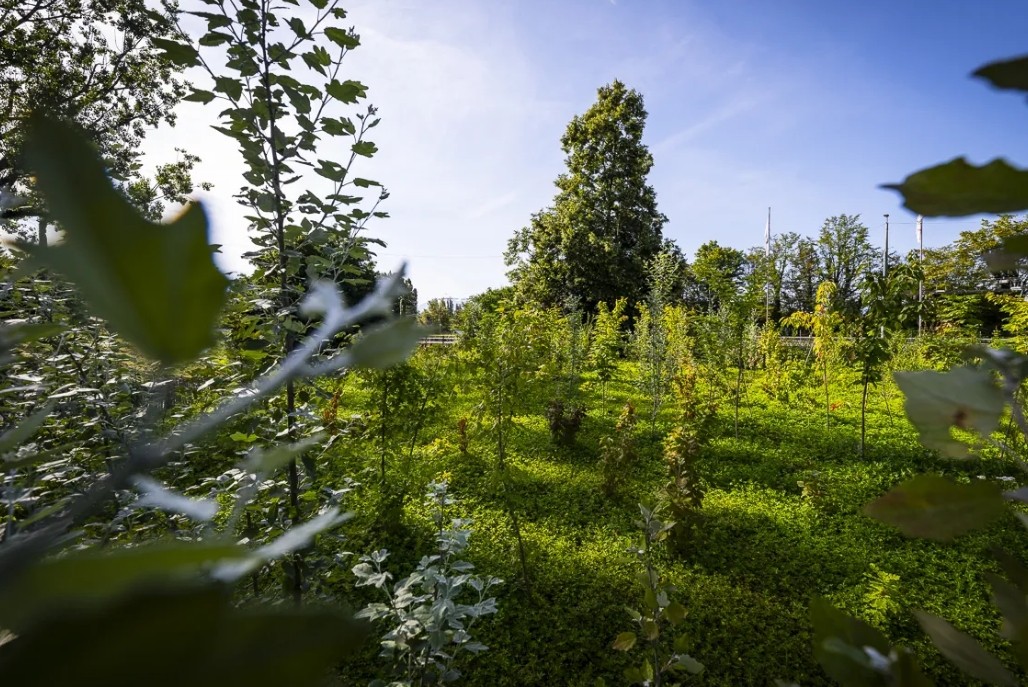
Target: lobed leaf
{"x":1009,"y":74}
{"x":155,"y":285}
{"x":958,"y":188}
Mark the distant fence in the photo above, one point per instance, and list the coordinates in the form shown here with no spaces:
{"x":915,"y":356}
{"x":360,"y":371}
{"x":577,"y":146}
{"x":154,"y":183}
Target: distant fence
{"x":439,"y":340}
{"x":796,"y":341}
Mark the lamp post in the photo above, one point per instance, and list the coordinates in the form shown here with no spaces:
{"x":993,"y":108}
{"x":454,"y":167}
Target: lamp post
{"x":885,"y":252}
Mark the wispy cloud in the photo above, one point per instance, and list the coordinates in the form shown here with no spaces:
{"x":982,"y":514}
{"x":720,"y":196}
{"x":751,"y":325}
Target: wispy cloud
{"x":491,"y":206}
{"x":721,"y":115}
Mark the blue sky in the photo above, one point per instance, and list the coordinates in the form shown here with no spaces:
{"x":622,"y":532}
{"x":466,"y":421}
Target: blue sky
{"x":802,"y":106}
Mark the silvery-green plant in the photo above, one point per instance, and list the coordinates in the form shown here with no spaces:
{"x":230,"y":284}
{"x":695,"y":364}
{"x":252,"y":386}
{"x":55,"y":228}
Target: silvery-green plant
{"x":429,"y":623}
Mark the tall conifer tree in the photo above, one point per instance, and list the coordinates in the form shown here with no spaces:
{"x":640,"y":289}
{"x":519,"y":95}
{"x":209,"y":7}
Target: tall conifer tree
{"x":594,"y":243}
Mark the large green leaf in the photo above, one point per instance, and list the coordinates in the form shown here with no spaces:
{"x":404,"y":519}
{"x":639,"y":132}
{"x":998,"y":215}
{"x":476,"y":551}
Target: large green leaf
{"x":963,"y":397}
{"x":938,"y":508}
{"x":87,"y":579}
{"x":1007,"y":74}
{"x":958,"y":188}
{"x":177,"y":53}
{"x":834,"y":630}
{"x":389,"y":344}
{"x":965,"y":652}
{"x":156,"y":285}
{"x":855,"y":654}
{"x":342,"y":38}
{"x":168,"y":638}
{"x":1011,"y":602}
{"x":22,"y":432}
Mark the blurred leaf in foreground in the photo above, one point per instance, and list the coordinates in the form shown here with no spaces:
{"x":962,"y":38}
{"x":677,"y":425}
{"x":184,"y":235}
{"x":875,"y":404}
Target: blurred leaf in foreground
{"x":156,"y":285}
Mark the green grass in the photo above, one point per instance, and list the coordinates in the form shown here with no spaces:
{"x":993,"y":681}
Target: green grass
{"x":765,"y":546}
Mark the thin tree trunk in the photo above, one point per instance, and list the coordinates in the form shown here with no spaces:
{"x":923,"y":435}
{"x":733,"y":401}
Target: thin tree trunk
{"x":738,"y":385}
{"x":863,"y":417}
{"x":828,"y":403}
{"x":383,"y":432}
{"x":294,"y":484}
{"x":501,"y":449}
{"x":284,"y":296}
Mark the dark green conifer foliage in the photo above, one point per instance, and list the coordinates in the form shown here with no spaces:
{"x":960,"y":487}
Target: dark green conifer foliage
{"x":593,"y":244}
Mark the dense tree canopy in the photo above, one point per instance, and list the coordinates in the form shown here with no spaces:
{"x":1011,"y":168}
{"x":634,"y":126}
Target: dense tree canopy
{"x":92,"y":62}
{"x":845,"y":256}
{"x":717,"y":273}
{"x":594,"y":243}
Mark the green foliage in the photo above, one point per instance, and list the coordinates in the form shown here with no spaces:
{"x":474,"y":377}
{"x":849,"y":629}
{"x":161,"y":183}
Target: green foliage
{"x":593,"y":245}
{"x":89,"y":62}
{"x":660,"y":337}
{"x":429,"y":622}
{"x":718,"y":272}
{"x":660,"y":614}
{"x":846,"y":258}
{"x":279,"y":98}
{"x":605,"y":349}
{"x":154,"y":284}
{"x":824,"y":323}
{"x":441,"y":313}
{"x":116,"y":613}
{"x":881,"y":599}
{"x":564,"y":422}
{"x":683,"y":493}
{"x":618,"y":451}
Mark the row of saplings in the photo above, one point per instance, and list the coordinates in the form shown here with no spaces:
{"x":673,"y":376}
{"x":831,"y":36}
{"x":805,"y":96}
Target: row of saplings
{"x":673,"y":520}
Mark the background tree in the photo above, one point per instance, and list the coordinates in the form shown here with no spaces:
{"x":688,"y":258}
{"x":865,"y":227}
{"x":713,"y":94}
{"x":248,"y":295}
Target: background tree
{"x":782,"y":260}
{"x":441,"y":313}
{"x":594,"y":243}
{"x":802,"y":279}
{"x":89,"y":61}
{"x":845,"y":256}
{"x":958,"y":278}
{"x":717,"y":273}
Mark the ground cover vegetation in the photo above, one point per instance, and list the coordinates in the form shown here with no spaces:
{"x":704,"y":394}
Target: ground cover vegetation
{"x":618,"y":471}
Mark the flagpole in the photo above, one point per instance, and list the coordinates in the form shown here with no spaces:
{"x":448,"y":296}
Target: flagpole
{"x":920,"y":279}
{"x":767,"y":269}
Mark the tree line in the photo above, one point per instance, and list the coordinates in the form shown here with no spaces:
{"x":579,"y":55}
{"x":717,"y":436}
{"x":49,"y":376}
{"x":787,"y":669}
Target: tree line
{"x":601,"y":239}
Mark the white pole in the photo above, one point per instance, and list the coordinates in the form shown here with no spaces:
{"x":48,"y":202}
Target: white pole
{"x":920,"y":281}
{"x":767,"y":268}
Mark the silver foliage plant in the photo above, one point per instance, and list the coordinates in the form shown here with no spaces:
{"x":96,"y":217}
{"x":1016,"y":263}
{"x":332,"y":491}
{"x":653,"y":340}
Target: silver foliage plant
{"x":429,"y":623}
